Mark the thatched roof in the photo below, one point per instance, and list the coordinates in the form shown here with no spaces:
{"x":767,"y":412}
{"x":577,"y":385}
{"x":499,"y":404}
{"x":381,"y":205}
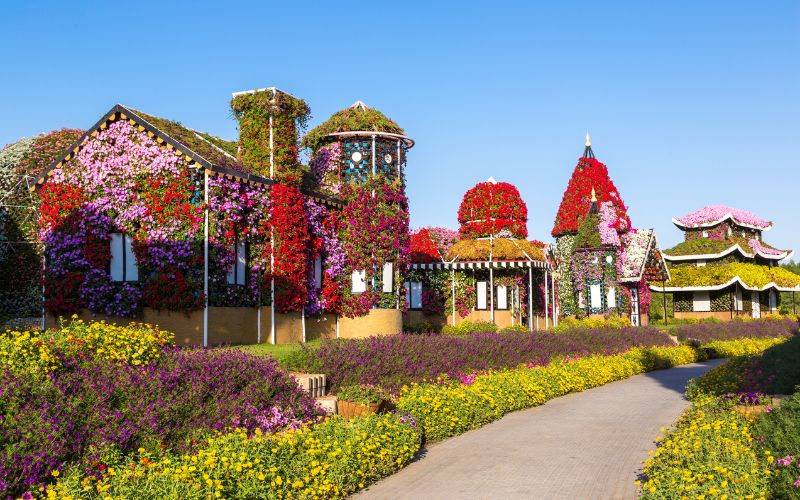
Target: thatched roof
{"x":498,"y":249}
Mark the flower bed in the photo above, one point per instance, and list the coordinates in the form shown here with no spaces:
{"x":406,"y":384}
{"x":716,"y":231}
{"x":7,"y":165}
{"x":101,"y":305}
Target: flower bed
{"x":94,"y":400}
{"x":751,"y":275}
{"x":706,"y":332}
{"x":392,"y":361}
{"x":718,"y":450}
{"x":328,"y":460}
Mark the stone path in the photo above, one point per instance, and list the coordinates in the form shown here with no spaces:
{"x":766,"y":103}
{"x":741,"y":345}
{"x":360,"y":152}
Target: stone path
{"x":586,"y":445}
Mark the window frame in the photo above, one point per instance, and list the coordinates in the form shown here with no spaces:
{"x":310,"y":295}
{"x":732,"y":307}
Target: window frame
{"x":126,"y":240}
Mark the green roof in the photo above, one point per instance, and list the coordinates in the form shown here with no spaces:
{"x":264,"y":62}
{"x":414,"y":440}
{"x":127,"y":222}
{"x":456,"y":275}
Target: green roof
{"x":357,"y":117}
{"x":215,"y":150}
{"x":705,"y":246}
{"x":751,"y":275}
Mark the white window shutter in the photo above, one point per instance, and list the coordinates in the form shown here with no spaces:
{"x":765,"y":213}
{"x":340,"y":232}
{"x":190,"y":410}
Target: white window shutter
{"x":241,"y":262}
{"x":388,"y":277}
{"x":232,"y":269}
{"x":131,"y":268}
{"x":117,"y":257}
{"x":359,"y":281}
{"x":482,"y":295}
{"x":611,"y":298}
{"x":595,"y":297}
{"x":502,"y":297}
{"x":318,"y":272}
{"x":407,"y":286}
{"x":416,"y":295}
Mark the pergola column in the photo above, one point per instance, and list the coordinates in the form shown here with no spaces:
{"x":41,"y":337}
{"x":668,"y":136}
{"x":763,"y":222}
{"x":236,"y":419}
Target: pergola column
{"x":546,"y":301}
{"x":530,"y":297}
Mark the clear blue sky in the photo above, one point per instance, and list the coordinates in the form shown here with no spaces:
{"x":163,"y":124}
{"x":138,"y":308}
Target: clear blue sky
{"x":689,"y":103}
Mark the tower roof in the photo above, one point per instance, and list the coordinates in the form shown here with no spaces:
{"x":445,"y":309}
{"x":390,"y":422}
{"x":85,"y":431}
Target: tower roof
{"x":356,"y":118}
{"x":588,"y":175}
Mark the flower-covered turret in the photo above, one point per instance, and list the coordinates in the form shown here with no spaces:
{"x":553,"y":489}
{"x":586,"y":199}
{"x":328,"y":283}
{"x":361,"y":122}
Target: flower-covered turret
{"x":356,"y":144}
{"x":589,"y":175}
{"x":492,"y":208}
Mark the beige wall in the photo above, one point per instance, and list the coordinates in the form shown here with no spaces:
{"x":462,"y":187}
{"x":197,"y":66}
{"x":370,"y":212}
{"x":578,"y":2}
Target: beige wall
{"x":322,"y":327}
{"x":233,"y":325}
{"x":377,"y":322}
{"x":720,"y":315}
{"x":187,"y":327}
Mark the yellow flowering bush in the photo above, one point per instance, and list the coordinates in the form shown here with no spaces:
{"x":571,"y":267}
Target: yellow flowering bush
{"x":27,"y":354}
{"x":31,"y":353}
{"x":709,"y":453}
{"x":328,"y":460}
{"x":136,"y":344}
{"x":612,"y":323}
{"x":741,"y":347}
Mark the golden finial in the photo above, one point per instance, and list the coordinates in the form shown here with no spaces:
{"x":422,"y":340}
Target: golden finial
{"x":588,"y":140}
{"x":594,"y":196}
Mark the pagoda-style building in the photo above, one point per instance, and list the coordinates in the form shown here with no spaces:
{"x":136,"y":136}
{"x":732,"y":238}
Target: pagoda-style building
{"x":723,"y":268}
{"x":604,"y":264}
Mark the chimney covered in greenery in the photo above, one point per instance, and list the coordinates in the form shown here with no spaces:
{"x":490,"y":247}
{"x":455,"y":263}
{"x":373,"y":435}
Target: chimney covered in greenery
{"x":269,"y":124}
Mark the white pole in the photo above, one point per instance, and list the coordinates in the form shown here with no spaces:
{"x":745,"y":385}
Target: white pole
{"x":546,"y":301}
{"x":303,"y":319}
{"x":272,"y":238}
{"x":44,"y":271}
{"x":205,"y":260}
{"x":553,"y":295}
{"x":398,"y":160}
{"x":530,"y":297}
{"x":491,"y":276}
{"x":453,"y":271}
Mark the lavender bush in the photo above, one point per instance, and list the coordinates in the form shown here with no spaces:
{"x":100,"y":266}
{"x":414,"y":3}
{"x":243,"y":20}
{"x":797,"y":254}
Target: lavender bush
{"x":707,"y":332}
{"x":395,"y":360}
{"x":94,"y":404}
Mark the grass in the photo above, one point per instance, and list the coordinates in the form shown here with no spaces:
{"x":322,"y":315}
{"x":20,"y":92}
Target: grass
{"x":281,"y":352}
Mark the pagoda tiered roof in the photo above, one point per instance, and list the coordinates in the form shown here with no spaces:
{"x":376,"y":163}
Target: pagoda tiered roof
{"x":718,"y":277}
{"x":713,"y":215}
{"x":714,"y":248}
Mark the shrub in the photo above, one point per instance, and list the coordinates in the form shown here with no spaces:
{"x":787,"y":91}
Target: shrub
{"x":466,"y":327}
{"x":609,"y":323}
{"x":423,"y":327}
{"x":706,"y":332}
{"x":363,"y":394}
{"x":515,"y":328}
{"x":779,"y":431}
{"x":449,"y":408}
{"x":331,"y":459}
{"x":393,"y":361}
{"x":709,"y":452}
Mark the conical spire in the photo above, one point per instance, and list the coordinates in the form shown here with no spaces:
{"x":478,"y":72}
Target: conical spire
{"x":587,"y":152}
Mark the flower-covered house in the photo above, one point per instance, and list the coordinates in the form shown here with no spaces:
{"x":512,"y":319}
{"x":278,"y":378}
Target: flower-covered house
{"x":723,"y":268}
{"x":604,"y":264}
{"x":220,"y":241}
{"x":487,"y":271}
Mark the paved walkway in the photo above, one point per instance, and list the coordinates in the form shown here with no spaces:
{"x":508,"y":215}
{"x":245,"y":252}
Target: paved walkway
{"x":586,"y":445}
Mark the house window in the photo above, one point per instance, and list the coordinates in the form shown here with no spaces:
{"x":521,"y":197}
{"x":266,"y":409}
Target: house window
{"x":701,"y":302}
{"x":317,"y":272}
{"x":730,"y":231}
{"x":123,"y":260}
{"x":611,"y":298}
{"x":581,"y":301}
{"x":359,"y":281}
{"x":502,"y":297}
{"x":387,"y":280}
{"x":413,"y":294}
{"x":705,"y":234}
{"x":773,"y":300}
{"x":238,"y":271}
{"x":482,"y":289}
{"x":701,"y":263}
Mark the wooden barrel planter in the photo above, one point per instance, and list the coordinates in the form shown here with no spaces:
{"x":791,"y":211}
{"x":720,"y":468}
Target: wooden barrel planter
{"x":349,"y":409}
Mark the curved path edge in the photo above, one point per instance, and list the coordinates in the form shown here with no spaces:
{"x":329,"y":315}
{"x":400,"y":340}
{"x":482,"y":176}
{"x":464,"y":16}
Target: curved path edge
{"x":584,"y":445}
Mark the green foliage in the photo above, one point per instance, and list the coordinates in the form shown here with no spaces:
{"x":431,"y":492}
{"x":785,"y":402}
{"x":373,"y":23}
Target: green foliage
{"x":780,"y":431}
{"x":589,"y":233}
{"x":751,"y":274}
{"x":609,"y":323}
{"x":363,"y":394}
{"x":423,"y":327}
{"x":350,"y":120}
{"x":515,"y":328}
{"x":466,"y":327}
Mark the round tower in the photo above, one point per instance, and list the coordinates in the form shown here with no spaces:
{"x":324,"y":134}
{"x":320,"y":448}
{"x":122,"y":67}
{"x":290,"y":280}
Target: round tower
{"x":355,"y":145}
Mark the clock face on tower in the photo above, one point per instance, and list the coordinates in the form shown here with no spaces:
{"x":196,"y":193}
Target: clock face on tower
{"x":356,"y":156}
{"x":387,"y":158}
